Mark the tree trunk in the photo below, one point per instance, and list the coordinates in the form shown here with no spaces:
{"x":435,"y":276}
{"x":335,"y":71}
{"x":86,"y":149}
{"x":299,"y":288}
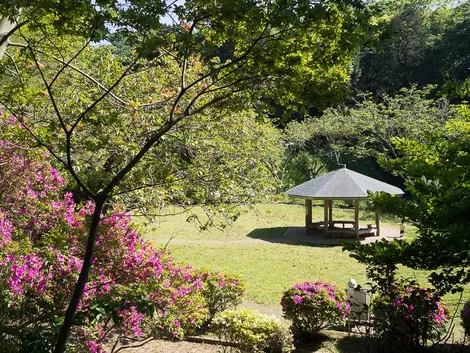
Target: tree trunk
{"x":5,"y":27}
{"x":82,"y":278}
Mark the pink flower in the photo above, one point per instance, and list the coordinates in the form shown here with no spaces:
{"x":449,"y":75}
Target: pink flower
{"x":95,"y":347}
{"x":132,"y":320}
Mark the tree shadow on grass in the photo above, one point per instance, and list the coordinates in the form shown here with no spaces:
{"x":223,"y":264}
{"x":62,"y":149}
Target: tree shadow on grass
{"x":293,"y":236}
{"x":358,"y":344}
{"x":353,"y":344}
{"x":267,"y":233}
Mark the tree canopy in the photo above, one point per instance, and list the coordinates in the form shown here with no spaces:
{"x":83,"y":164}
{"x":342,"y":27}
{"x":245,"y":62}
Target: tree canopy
{"x":362,"y":134}
{"x":436,"y":173}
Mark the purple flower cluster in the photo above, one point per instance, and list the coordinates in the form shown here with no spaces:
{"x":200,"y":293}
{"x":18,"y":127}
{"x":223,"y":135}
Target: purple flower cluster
{"x":465,"y":317}
{"x":415,"y":300}
{"x":132,"y":320}
{"x":411,"y":311}
{"x":312,"y":305}
{"x":5,"y":231}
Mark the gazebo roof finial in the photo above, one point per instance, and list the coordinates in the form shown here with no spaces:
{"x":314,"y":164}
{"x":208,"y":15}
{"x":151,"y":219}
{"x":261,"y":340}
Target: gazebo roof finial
{"x":342,"y":165}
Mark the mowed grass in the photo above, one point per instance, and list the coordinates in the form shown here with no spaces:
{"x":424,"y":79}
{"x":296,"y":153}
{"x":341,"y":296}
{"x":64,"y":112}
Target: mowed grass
{"x":268,"y":267}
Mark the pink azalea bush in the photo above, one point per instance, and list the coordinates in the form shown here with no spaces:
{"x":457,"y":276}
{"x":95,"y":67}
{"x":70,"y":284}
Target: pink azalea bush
{"x":410,"y":313}
{"x":313,"y":305}
{"x":134,"y":290}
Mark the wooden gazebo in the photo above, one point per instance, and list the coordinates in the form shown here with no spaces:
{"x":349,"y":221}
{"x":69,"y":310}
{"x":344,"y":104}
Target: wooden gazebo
{"x":341,"y":184}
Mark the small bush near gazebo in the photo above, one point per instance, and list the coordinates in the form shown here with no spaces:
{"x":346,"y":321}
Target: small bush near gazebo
{"x":314,"y":305}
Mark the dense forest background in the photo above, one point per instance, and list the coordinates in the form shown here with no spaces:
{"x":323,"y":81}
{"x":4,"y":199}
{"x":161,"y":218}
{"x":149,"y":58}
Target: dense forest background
{"x":411,"y":68}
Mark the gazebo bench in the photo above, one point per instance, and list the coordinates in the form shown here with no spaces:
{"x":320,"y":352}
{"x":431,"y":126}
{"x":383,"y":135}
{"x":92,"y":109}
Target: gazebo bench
{"x":351,"y":231}
{"x":343,"y":223}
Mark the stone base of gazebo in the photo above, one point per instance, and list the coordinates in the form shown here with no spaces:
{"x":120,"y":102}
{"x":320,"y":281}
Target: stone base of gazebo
{"x":317,"y":236}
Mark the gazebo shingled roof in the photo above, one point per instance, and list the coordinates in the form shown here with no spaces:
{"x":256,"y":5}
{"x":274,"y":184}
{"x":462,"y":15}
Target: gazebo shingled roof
{"x":341,"y":184}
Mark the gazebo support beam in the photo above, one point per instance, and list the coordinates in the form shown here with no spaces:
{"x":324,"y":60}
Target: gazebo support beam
{"x":356,"y":218}
{"x":308,"y":213}
{"x":377,"y":221}
{"x":330,"y":211}
{"x":325,"y":217}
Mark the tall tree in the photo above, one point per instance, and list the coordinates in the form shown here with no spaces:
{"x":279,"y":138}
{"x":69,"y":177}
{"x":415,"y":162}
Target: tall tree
{"x":398,"y":51}
{"x":436,"y":169}
{"x":268,"y":38}
{"x":451,"y":53}
{"x":362,"y":134}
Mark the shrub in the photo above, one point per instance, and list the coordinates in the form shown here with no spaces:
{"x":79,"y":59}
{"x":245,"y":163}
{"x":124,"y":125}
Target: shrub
{"x":221,"y":292}
{"x":250,"y":331}
{"x":408,"y":315}
{"x":314,"y":305}
{"x":465,"y":316}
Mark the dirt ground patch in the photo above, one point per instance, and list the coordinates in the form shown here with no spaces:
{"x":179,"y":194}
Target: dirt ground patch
{"x":165,"y":346}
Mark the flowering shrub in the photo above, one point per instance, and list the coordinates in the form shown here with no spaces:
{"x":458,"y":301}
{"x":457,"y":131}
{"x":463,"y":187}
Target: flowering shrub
{"x":250,"y":331}
{"x":313,"y":305}
{"x":465,"y":316}
{"x":409,"y":315}
{"x":221,"y":292}
{"x":133,"y":289}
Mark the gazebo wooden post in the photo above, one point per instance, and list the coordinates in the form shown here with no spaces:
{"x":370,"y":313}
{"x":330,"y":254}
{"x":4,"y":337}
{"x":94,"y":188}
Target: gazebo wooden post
{"x":330,"y":211}
{"x":325,"y":217}
{"x":377,"y":220}
{"x":356,"y":218}
{"x":308,"y":213}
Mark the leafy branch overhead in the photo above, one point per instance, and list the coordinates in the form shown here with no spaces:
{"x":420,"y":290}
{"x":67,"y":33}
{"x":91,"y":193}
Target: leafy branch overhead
{"x":177,"y":76}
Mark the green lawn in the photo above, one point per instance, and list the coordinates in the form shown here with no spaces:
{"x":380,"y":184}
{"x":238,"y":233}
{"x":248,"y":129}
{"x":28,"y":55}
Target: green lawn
{"x":267,"y":267}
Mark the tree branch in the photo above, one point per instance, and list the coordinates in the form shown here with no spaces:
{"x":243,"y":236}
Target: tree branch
{"x":127,"y":168}
{"x":4,"y":37}
{"x":97,"y":101}
{"x":203,"y":77}
{"x":33,"y":135}
{"x":15,"y":66}
{"x":186,"y":52}
{"x":147,"y":340}
{"x":205,"y":91}
{"x":123,"y":102}
{"x":67,"y":64}
{"x":212,"y":102}
{"x":49,"y":91}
